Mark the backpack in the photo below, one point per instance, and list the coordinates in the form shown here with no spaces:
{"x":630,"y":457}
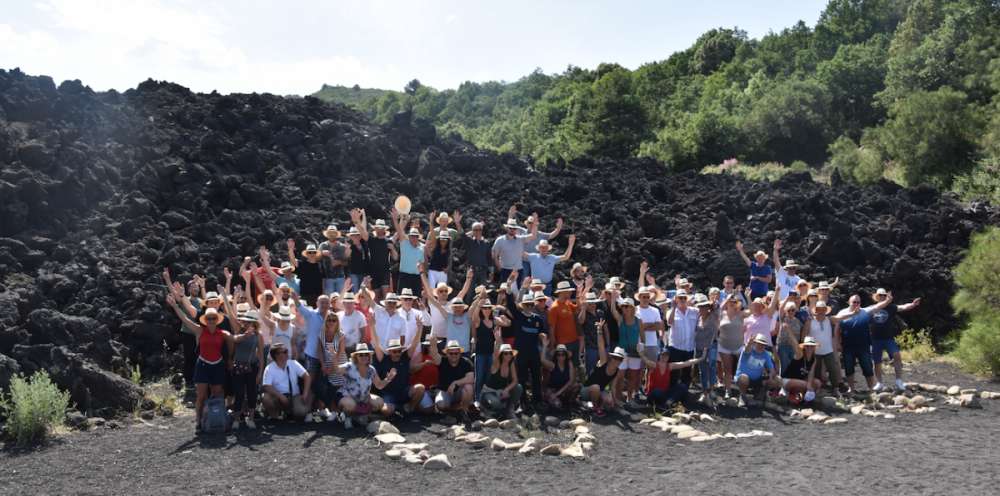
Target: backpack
{"x":215,"y":419}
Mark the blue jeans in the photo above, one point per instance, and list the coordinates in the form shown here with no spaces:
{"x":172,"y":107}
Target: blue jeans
{"x":706,"y":368}
{"x":786,"y":353}
{"x":590,"y":360}
{"x":334,"y":285}
{"x":483,"y":363}
{"x":356,"y":282}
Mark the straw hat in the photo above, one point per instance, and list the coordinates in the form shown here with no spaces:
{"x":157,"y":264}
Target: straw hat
{"x":349,"y":298}
{"x":684,"y":283}
{"x":310,"y":250}
{"x":390,"y":298}
{"x":361,"y":349}
{"x":284,"y":285}
{"x":511,"y":224}
{"x":444,"y":217}
{"x":380,"y":225}
{"x":760,"y":253}
{"x":761,"y":339}
{"x":824,"y":285}
{"x":457,"y":302}
{"x":536,"y":283}
{"x":213,"y":313}
{"x":681,"y":293}
{"x":444,"y":234}
{"x":406,"y":294}
{"x":540,"y":296}
{"x":881,"y":292}
{"x":212,"y":296}
{"x":578,"y":266}
{"x":790,"y":264}
{"x":701,"y":300}
{"x":394,"y":344}
{"x":413,"y":232}
{"x":810,"y":341}
{"x":527,"y":300}
{"x":565,"y":287}
{"x":592,"y":298}
{"x":645,"y":290}
{"x":285,"y":313}
{"x":821,"y":307}
{"x":544,"y":244}
{"x":353,"y":231}
{"x":661,"y":299}
{"x":249,"y":316}
{"x":453,"y":345}
{"x":618,"y":353}
{"x":561,"y":348}
{"x":260,"y":298}
{"x":628,"y":302}
{"x":616,"y":282}
{"x":331,"y":231}
{"x":507,"y":348}
{"x":242,"y":308}
{"x":442,"y":285}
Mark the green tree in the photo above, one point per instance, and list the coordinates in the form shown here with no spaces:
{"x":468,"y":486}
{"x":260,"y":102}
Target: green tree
{"x":789,"y":122}
{"x":854,"y":75}
{"x":858,"y":164}
{"x":978,"y":297}
{"x":715,"y":48}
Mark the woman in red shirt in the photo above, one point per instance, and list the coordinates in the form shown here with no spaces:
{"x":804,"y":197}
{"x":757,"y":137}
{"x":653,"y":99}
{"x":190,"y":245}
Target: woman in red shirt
{"x":210,"y":368}
{"x":658,"y":389}
{"x":424,"y":371}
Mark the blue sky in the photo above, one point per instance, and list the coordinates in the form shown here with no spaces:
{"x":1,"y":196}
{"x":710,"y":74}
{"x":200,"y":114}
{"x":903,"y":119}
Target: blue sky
{"x":293,"y":47}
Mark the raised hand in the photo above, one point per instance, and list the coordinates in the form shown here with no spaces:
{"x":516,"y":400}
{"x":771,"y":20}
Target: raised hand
{"x":457,"y":217}
{"x":777,"y":244}
{"x":559,"y":222}
{"x":469,"y":274}
{"x":644,"y":266}
{"x":228,"y":273}
{"x":739,"y":245}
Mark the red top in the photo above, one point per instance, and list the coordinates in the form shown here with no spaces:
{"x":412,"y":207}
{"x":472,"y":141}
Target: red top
{"x":266,"y":277}
{"x":210,"y":344}
{"x":428,"y":375}
{"x":658,"y":380}
{"x":562,"y":321}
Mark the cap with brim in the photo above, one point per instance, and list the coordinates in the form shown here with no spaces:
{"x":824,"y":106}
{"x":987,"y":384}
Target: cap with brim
{"x":810,"y":341}
{"x":564,"y":287}
{"x":761,"y":339}
{"x":394,"y":344}
{"x":331,"y":231}
{"x":453,"y":345}
{"x":507,"y":348}
{"x":210,"y":312}
{"x":618,"y":353}
{"x":361,"y":349}
{"x":406,"y":294}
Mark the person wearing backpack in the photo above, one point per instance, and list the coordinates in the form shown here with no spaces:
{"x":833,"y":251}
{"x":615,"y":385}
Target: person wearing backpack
{"x":282,"y":391}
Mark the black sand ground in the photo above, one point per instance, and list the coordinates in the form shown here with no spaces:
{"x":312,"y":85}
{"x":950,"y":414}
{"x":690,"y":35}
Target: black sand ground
{"x":950,"y":451}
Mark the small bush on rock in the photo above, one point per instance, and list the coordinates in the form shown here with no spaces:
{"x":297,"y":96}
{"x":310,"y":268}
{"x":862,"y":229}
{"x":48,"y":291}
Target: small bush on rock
{"x":916,"y":345}
{"x":33,"y":407}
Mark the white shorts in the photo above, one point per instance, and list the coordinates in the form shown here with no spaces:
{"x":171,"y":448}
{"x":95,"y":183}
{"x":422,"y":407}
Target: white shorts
{"x":723,"y":349}
{"x":630,"y":363}
{"x":436,"y":276}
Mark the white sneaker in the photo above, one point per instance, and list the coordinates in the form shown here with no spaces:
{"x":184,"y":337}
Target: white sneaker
{"x":878,"y":387}
{"x":326,"y":414}
{"x":900,"y":385}
{"x":309,"y":418}
{"x":250,"y":424}
{"x":741,"y":403}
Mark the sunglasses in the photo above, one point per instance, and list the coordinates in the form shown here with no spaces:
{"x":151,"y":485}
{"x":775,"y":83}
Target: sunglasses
{"x":282,"y":352}
{"x":453,"y":353}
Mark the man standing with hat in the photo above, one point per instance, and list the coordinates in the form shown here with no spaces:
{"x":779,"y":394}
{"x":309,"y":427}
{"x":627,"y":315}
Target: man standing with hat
{"x":335,"y":257}
{"x":508,"y":250}
{"x":477,"y":255}
{"x":855,"y":323}
{"x":683,"y":322}
{"x":562,"y":320}
{"x":309,"y":271}
{"x":787,"y":279}
{"x":357,"y":266}
{"x":381,"y":251}
{"x":531,"y":246}
{"x":389,"y":320}
{"x":884,"y":331}
{"x":543,"y":263}
{"x":411,"y":254}
{"x":352,"y":323}
{"x":760,"y":271}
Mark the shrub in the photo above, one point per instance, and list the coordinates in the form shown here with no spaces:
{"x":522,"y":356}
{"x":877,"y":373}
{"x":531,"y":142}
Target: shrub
{"x":978,"y":348}
{"x":916,"y":345}
{"x":34,"y":407}
{"x":978,"y":296}
{"x":982,"y":183}
{"x":765,"y":172}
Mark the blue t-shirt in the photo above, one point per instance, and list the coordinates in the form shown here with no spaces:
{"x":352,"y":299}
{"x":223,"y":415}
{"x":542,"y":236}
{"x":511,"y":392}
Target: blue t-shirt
{"x":753,"y":364}
{"x":854,"y":330}
{"x":542,"y":266}
{"x":757,"y":286}
{"x":410,"y":257}
{"x":314,"y":329}
{"x":459,"y":329}
{"x":292,"y":283}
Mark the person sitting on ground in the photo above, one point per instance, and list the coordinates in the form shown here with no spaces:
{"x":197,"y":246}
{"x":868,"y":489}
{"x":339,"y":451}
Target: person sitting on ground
{"x":561,"y":388}
{"x":661,"y":392}
{"x":760,"y":272}
{"x":398,"y":394}
{"x":424,"y":371}
{"x":359,"y":376}
{"x":456,"y":380}
{"x":502,"y":391}
{"x":209,"y":370}
{"x":543,"y":263}
{"x":855,"y":332}
{"x":283,"y":393}
{"x":798,"y":377}
{"x":884,"y":331}
{"x":328,"y":395}
{"x":756,"y":369}
{"x":603,"y":384}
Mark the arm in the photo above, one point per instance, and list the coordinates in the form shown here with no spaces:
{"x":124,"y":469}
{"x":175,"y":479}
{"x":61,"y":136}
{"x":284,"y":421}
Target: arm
{"x":777,"y":248}
{"x":377,"y":312}
{"x":686,"y":363}
{"x":602,"y":353}
{"x":743,"y":255}
{"x":884,"y":303}
{"x":380,"y":382}
{"x":468,"y":284}
{"x":569,"y":249}
{"x":185,"y":320}
{"x":291,"y":253}
{"x":773,"y":307}
{"x":555,"y":232}
{"x":360,"y":220}
{"x":643,"y":267}
{"x":909,"y":306}
{"x":432,"y":237}
{"x":435,"y":354}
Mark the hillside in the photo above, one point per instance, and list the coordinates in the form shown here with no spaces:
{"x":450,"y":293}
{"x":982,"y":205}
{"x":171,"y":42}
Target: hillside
{"x":900,"y":89}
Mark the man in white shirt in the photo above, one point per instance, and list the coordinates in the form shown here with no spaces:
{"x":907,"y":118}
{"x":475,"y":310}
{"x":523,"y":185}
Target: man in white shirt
{"x":390,"y":323}
{"x":787,"y":278}
{"x":414,"y":317}
{"x":651,"y":322}
{"x":282,"y":391}
{"x":352,"y":323}
{"x":683,"y":321}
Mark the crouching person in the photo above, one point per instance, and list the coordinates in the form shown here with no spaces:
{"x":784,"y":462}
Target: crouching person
{"x":398,"y":394}
{"x":283,"y":394}
{"x":660,"y":392}
{"x":359,"y":375}
{"x":501,"y":390}
{"x":456,"y":380}
{"x":756,"y":369}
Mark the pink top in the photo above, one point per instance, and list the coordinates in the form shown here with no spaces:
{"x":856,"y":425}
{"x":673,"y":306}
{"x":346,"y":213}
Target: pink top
{"x":756,"y":324}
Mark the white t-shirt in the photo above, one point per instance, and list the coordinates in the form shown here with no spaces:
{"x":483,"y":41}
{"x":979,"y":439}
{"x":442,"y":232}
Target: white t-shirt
{"x":279,"y":377}
{"x":822,"y":332}
{"x":787,"y":283}
{"x":411,"y":323}
{"x":649,"y":315}
{"x":352,"y":326}
{"x":681,"y":335}
{"x":439,"y":322}
{"x":389,"y":326}
{"x":283,"y":336}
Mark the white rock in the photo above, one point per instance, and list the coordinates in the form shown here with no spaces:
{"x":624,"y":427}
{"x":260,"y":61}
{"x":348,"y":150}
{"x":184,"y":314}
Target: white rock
{"x":954,"y":390}
{"x":390,"y":438}
{"x":729,"y":435}
{"x":477,"y":440}
{"x":437,"y":462}
{"x":410,"y":446}
{"x":498,"y":444}
{"x":690,"y":434}
{"x":972,"y":391}
{"x":526,"y":450}
{"x":677,"y":429}
{"x":578,"y":422}
{"x":394,"y":454}
{"x":585,"y":438}
{"x":413,"y":459}
{"x":699,"y":439}
{"x":901,"y":400}
{"x":918,"y":401}
{"x":817,"y":417}
{"x":573,"y":451}
{"x":647,"y":421}
{"x":835,"y":420}
{"x":508,"y":425}
{"x":552,"y":449}
{"x":857,"y":409}
{"x":514,"y":446}
{"x":681,"y":417}
{"x":491,"y":423}
{"x":587,"y":446}
{"x":888,"y":416}
{"x":387,"y":428}
{"x":969,"y":401}
{"x":582,"y":429}
{"x":706,"y":418}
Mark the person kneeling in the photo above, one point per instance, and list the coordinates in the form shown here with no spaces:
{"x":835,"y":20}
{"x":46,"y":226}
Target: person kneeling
{"x":398,"y":394}
{"x":659,"y":391}
{"x":282,"y":392}
{"x":456,"y":380}
{"x":501,"y":390}
{"x":562,"y":389}
{"x":359,"y":376}
{"x":755,"y":369}
{"x":799,"y":380}
{"x":604,"y":383}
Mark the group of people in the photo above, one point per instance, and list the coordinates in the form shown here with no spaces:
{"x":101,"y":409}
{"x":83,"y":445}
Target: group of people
{"x":376,"y":324}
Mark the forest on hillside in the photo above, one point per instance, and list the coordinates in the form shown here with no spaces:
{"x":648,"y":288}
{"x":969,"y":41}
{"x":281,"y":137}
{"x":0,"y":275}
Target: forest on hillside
{"x":905,"y":90}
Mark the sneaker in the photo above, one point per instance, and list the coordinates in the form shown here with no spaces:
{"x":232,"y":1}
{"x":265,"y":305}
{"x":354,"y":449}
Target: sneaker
{"x":327,"y":415}
{"x":900,"y":385}
{"x":878,"y":387}
{"x":741,"y":403}
{"x":309,"y":418}
{"x":702,"y":398}
{"x":250,"y":424}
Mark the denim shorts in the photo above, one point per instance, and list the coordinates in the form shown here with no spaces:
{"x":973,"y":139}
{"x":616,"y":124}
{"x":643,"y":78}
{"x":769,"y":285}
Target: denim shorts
{"x":887,"y":345}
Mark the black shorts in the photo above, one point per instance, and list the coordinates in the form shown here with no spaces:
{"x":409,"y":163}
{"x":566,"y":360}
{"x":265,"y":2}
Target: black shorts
{"x":412,"y":281}
{"x":380,"y":278}
{"x":331,"y":394}
{"x":209,"y":373}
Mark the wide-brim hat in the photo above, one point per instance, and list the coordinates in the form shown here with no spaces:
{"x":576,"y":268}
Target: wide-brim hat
{"x":349,"y":298}
{"x":362,"y":349}
{"x":565,"y":287}
{"x":616,"y":282}
{"x":820,"y":305}
{"x":824,"y":285}
{"x":527,"y":300}
{"x":511,"y":224}
{"x":249,"y":316}
{"x":212,"y":295}
{"x":761,"y":339}
{"x":413,"y":232}
{"x":406,"y":294}
{"x":457,"y":302}
{"x":627,"y":302}
{"x":443,"y":216}
{"x":561,"y":348}
{"x":507,"y":348}
{"x":262,"y":295}
{"x":578,"y":266}
{"x":540,"y":296}
{"x":443,"y":285}
{"x":544,"y":244}
{"x":390,"y":298}
{"x":394,"y":344}
{"x":444,"y":234}
{"x":331,"y":231}
{"x":810,"y":341}
{"x":310,"y":250}
{"x":760,"y":253}
{"x":701,"y":300}
{"x":645,"y":290}
{"x":353,"y":231}
{"x":285,"y":313}
{"x":453,"y":345}
{"x":881,"y":292}
{"x":592,"y":298}
{"x":536,"y":282}
{"x":790,"y":264}
{"x":242,"y":308}
{"x":618,"y":353}
{"x":380,"y":224}
{"x":213,"y":313}
{"x":286,"y":265}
